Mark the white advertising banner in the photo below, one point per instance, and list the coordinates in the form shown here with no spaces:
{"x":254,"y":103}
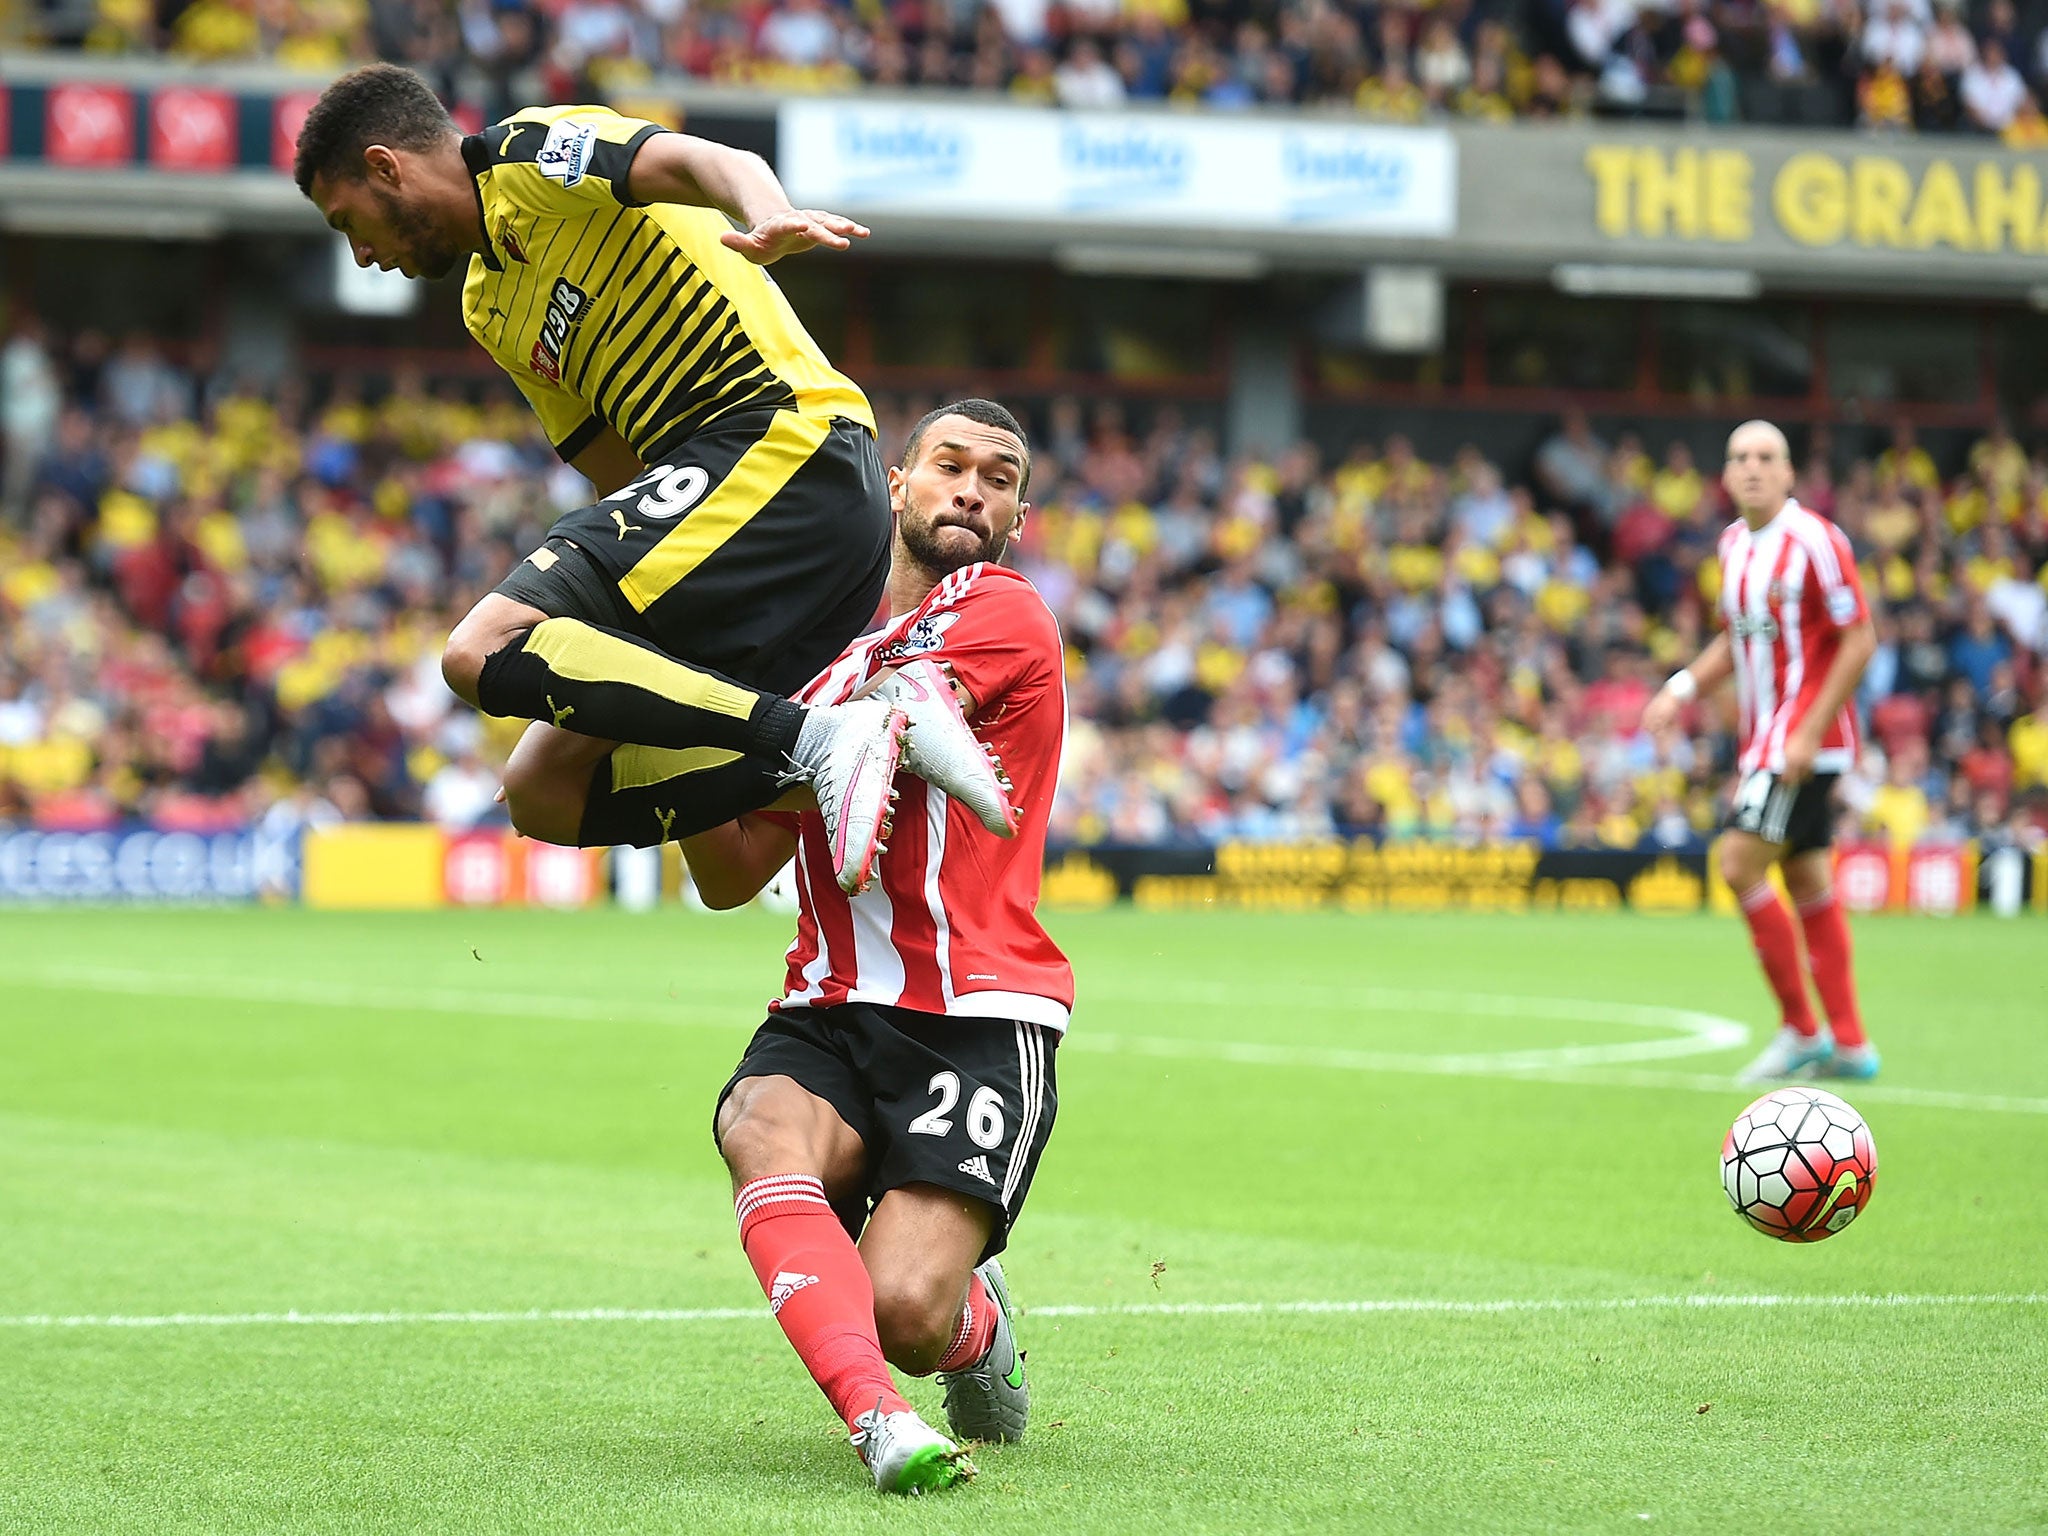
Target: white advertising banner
{"x":1119,"y":170}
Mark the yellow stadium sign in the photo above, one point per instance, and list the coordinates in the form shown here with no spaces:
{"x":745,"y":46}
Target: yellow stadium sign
{"x":1819,"y":199}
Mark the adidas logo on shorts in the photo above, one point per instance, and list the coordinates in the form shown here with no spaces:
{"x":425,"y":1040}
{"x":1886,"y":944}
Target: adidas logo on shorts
{"x":978,"y":1166}
{"x":787,"y":1284}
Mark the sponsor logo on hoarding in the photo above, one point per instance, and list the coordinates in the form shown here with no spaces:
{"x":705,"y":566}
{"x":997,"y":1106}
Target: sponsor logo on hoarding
{"x":142,"y":864}
{"x":1120,"y":162}
{"x":884,"y":154}
{"x":1325,"y":177}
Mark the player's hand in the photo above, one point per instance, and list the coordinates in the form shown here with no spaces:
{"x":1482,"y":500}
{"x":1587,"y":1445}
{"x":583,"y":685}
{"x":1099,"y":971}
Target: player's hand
{"x":1661,"y":712}
{"x":1802,"y":746}
{"x":798,"y":229}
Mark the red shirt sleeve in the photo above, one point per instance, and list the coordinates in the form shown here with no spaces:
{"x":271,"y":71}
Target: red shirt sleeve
{"x":1839,"y":583}
{"x":1001,"y":641}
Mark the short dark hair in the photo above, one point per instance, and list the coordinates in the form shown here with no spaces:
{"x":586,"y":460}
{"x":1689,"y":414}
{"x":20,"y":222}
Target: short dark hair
{"x":983,"y":412}
{"x":377,"y":104}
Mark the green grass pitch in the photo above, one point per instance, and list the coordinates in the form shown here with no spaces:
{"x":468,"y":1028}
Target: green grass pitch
{"x":425,"y":1123}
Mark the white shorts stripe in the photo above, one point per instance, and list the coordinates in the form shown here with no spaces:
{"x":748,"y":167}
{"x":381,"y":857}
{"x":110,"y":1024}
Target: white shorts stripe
{"x":1031,"y":1068}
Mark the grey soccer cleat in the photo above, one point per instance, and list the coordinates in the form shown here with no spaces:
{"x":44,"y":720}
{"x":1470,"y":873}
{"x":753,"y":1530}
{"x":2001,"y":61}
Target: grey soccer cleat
{"x":990,"y":1400}
{"x":943,"y":750}
{"x":907,"y":1455}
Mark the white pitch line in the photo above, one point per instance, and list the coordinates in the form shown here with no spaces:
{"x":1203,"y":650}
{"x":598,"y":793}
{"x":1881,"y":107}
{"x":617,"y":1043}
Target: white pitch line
{"x":1595,"y":1066}
{"x":1691,"y":1033}
{"x":1401,"y":1305}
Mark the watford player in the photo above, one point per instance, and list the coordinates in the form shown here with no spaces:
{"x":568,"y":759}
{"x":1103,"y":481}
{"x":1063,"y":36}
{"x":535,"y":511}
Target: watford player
{"x":741,"y":534}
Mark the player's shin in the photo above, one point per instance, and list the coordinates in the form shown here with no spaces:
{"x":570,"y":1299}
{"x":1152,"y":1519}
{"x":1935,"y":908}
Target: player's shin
{"x":1829,"y":953}
{"x":599,"y":682}
{"x":819,"y":1291}
{"x":976,"y":1329}
{"x":1777,"y":951}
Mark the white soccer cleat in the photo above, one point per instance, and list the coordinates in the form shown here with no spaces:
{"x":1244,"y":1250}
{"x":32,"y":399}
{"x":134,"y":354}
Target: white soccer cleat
{"x":943,"y":749}
{"x":1790,"y":1054}
{"x":906,"y":1455}
{"x":848,"y":754}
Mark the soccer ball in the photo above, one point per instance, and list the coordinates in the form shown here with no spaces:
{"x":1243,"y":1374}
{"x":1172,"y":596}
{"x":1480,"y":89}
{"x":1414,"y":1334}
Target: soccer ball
{"x":1798,"y":1165}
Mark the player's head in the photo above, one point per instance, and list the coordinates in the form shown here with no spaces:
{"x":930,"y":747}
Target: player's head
{"x":959,"y":493}
{"x":1758,"y":473}
{"x":373,"y":158}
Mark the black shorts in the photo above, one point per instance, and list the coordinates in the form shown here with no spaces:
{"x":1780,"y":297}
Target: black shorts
{"x":757,"y":551}
{"x":966,"y":1104}
{"x":1799,"y":816}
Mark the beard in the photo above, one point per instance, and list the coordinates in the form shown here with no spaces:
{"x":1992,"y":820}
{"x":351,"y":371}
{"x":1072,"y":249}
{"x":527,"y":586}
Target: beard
{"x":943,"y":548}
{"x":426,"y":252}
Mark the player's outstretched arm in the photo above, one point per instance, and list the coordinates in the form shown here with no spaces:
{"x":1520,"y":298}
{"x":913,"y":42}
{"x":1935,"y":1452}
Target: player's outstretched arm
{"x":731,"y":863}
{"x":1709,"y":670}
{"x":680,"y":168}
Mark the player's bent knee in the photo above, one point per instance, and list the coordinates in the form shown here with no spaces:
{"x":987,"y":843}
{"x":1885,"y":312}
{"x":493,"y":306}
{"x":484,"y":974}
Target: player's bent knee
{"x":1741,"y":865}
{"x":489,"y":627}
{"x":542,"y":807}
{"x":462,"y":662}
{"x":915,"y":1318}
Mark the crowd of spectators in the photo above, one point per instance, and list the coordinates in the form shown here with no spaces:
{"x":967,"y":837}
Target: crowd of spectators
{"x":219,"y":605}
{"x":1890,"y":64}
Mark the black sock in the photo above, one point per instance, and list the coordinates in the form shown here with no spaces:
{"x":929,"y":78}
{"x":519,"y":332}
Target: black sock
{"x":643,"y":815}
{"x":600,"y":682}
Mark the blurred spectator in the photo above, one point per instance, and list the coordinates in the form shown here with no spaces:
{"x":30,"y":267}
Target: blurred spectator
{"x":237,"y":614}
{"x":29,"y":402}
{"x":1992,"y":90}
{"x":1086,"y":79}
{"x":1901,"y":64}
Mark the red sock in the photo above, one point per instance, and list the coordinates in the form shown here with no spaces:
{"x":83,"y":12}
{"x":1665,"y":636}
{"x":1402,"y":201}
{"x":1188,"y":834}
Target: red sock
{"x":1828,"y":953}
{"x":818,"y":1290}
{"x":1777,"y":947}
{"x":977,"y":1328}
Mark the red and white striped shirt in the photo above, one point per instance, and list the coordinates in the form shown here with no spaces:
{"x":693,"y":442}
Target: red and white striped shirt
{"x":1788,"y":590}
{"x":950,"y":925}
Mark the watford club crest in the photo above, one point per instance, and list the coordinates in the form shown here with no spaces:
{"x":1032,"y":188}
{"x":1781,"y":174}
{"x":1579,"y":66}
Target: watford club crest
{"x":508,"y":240}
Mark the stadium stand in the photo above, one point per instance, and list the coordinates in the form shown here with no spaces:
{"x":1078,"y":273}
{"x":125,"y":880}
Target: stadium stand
{"x":220,"y":606}
{"x":1891,"y":65}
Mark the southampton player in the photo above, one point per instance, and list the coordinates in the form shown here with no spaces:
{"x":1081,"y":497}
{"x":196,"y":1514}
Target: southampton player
{"x":902,"y":1089}
{"x":742,"y":535}
{"x":1796,"y":634}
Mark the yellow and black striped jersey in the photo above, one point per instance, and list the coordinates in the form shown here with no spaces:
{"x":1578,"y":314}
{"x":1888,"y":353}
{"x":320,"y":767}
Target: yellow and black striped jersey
{"x":609,"y":312}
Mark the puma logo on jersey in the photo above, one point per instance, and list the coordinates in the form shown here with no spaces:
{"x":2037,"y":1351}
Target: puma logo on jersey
{"x":560,"y":712}
{"x":787,"y":1284}
{"x":977,"y":1167}
{"x":565,"y":307}
{"x":624,"y":526}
